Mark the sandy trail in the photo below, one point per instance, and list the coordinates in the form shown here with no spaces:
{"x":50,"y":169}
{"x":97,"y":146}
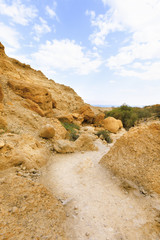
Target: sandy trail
{"x":97,"y":207}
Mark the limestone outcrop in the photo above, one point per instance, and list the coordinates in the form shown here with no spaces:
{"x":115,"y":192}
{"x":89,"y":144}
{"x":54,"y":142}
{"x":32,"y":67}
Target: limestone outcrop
{"x":84,"y":143}
{"x":98,"y":120}
{"x":36,"y":94}
{"x":111,"y":124}
{"x":136,"y":157}
{"x":87,"y":113}
{"x":22,"y":150}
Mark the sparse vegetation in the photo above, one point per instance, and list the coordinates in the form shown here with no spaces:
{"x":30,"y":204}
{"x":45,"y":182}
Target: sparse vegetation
{"x":155,"y":110}
{"x":129,"y":115}
{"x":71,"y":128}
{"x":105,"y":135}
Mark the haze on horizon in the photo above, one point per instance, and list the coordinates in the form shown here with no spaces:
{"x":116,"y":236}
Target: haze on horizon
{"x":108,"y":51}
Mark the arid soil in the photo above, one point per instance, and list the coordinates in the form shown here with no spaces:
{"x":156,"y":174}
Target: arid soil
{"x":28,"y":210}
{"x":98,"y":207}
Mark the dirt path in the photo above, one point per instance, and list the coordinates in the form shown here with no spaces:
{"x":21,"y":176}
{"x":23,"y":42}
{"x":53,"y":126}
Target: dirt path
{"x":97,"y":207}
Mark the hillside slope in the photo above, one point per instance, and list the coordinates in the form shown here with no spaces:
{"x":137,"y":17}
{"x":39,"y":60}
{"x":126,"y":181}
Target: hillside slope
{"x":11,"y":69}
{"x":136,"y":157}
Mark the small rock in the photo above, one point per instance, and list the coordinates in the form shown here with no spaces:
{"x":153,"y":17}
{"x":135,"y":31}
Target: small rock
{"x":2,"y":180}
{"x":2,"y":143}
{"x":87,"y":234}
{"x":14,"y":209}
{"x":23,"y":208}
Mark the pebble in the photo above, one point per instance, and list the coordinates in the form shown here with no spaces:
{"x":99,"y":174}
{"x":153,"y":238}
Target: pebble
{"x":87,"y":234}
{"x":14,"y":209}
{"x":2,"y":143}
{"x":2,"y":180}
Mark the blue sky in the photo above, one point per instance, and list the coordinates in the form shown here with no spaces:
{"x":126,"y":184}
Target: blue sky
{"x":107,"y":50}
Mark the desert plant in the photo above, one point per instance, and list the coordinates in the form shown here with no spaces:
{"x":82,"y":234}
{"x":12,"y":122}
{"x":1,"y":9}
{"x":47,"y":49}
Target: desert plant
{"x":105,"y":135}
{"x":128,"y":115}
{"x":70,"y":127}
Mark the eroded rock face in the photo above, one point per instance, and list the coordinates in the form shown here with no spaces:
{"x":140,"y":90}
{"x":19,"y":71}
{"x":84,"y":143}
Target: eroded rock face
{"x":98,"y":120}
{"x":2,"y":51}
{"x":136,"y":157}
{"x":111,"y":124}
{"x":22,"y":150}
{"x":87,"y":113}
{"x":65,"y":118}
{"x":35,"y":93}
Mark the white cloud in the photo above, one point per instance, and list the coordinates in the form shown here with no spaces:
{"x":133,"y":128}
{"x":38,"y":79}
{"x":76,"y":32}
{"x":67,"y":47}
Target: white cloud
{"x":141,"y":20}
{"x":9,"y":36}
{"x":66,"y":55}
{"x":50,"y":12}
{"x":18,"y":12}
{"x":41,"y":29}
{"x":104,"y":24}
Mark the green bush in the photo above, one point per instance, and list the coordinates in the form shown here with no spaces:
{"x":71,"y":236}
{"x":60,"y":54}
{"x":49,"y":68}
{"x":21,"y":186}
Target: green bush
{"x":128,"y":115}
{"x":105,"y":135}
{"x":155,"y":110}
{"x":70,"y":127}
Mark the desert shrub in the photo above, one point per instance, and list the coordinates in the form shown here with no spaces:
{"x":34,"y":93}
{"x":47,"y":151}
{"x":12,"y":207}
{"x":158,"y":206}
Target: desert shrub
{"x":105,"y":134}
{"x":70,"y":127}
{"x":155,"y":110}
{"x":128,"y":115}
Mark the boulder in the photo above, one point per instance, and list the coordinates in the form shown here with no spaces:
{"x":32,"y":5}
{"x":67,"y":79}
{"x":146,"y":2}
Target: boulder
{"x":87,"y":113}
{"x":65,"y":118}
{"x":64,"y":146}
{"x":111,"y":124}
{"x":77,"y":118}
{"x":47,"y":131}
{"x":85,"y":143}
{"x":35,"y":93}
{"x":98,"y":120}
{"x":120,"y":123}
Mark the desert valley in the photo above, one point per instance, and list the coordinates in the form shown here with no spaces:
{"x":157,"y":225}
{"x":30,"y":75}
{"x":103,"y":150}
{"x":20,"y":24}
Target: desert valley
{"x":67,"y":171}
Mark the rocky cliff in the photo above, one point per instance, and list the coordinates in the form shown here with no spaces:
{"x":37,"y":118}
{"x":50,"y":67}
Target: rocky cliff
{"x":29,"y":104}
